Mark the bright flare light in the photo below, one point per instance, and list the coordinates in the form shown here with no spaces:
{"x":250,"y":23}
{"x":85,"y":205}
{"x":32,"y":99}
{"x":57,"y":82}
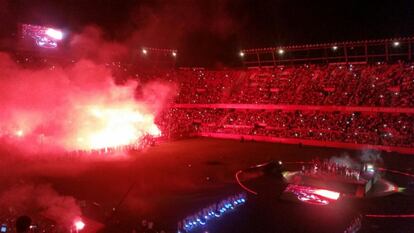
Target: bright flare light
{"x":113,"y":126}
{"x":174,"y":54}
{"x":55,"y":34}
{"x":19,"y":133}
{"x":334,"y":48}
{"x":241,"y":54}
{"x":281,"y":51}
{"x":144,"y":51}
{"x":79,"y":225}
{"x":396,"y":43}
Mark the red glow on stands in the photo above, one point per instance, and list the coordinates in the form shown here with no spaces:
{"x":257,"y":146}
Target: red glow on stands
{"x":316,"y":122}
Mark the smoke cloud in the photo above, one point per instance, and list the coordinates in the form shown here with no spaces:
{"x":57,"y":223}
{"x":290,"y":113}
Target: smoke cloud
{"x":365,"y":156}
{"x":77,"y":106}
{"x":40,"y":200}
{"x":90,"y":44}
{"x":48,"y":108}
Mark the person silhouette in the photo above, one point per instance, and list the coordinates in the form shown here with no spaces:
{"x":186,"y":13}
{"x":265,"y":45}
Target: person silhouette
{"x":23,"y":224}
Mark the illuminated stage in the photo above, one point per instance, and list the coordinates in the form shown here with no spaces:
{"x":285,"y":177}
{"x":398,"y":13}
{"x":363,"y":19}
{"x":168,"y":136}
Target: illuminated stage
{"x":333,"y":189}
{"x":328,"y":192}
{"x":322,"y":183}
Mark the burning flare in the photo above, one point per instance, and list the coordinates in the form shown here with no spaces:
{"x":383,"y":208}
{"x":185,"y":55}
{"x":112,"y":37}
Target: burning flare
{"x":112,"y":126}
{"x":75,"y":107}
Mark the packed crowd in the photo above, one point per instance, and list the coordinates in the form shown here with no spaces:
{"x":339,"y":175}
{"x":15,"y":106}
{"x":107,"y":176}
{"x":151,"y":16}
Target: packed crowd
{"x":342,"y":85}
{"x":375,"y":85}
{"x":389,"y":129}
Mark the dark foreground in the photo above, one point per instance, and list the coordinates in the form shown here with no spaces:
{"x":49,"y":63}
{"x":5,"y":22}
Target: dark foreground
{"x":172,"y":180}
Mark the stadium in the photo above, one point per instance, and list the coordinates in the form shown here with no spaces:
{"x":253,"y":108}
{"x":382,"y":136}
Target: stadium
{"x":153,"y":116}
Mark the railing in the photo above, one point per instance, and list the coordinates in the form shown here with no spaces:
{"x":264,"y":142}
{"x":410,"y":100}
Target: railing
{"x":299,"y":107}
{"x":385,"y":50}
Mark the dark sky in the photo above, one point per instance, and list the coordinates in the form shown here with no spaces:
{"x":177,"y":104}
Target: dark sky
{"x":212,"y":32}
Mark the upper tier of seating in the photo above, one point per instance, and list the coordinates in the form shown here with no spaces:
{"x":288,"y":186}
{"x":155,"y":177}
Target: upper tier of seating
{"x":380,"y":85}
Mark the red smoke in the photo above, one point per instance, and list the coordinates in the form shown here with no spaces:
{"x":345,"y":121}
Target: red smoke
{"x":54,"y":108}
{"x":40,"y":200}
{"x":74,"y":107}
{"x":91,"y":45}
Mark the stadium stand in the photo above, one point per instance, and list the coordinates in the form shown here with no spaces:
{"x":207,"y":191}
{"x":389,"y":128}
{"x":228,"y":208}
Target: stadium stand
{"x":364,"y":105}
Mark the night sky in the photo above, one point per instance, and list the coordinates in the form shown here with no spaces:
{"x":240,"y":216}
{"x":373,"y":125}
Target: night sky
{"x":210,"y":33}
